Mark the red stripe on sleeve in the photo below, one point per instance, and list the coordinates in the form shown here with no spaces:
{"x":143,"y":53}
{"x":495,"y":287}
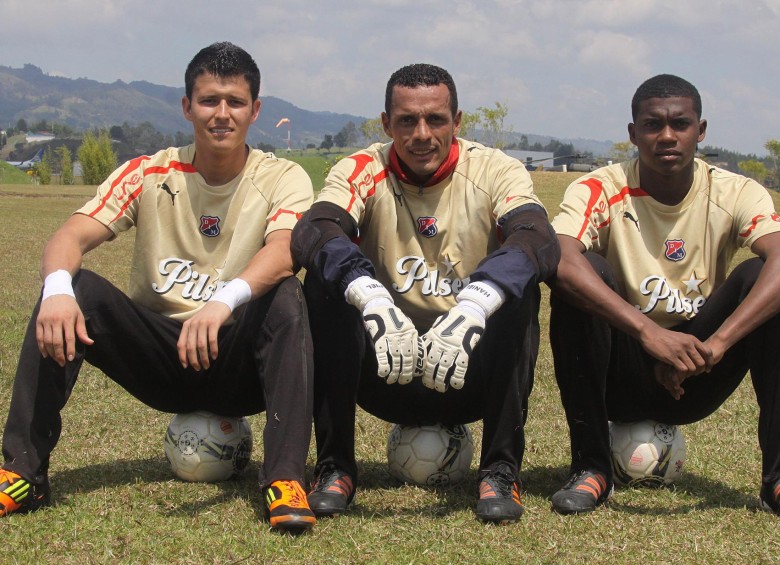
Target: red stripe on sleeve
{"x":626,"y":191}
{"x":281,"y":211}
{"x":753,"y":225}
{"x":131,"y":166}
{"x":361,"y":162}
{"x":377,"y":179}
{"x":596,"y":188}
{"x":130,"y":199}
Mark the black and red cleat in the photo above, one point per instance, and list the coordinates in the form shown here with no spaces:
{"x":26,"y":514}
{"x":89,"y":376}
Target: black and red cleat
{"x":499,"y":497}
{"x":583,"y":492}
{"x":332,"y":492}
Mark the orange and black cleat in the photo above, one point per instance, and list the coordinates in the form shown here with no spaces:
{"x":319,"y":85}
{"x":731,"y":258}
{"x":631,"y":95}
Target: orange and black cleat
{"x":332,"y":492}
{"x":287,"y":507}
{"x":583,"y":492}
{"x":19,"y":495}
{"x":499,"y":496}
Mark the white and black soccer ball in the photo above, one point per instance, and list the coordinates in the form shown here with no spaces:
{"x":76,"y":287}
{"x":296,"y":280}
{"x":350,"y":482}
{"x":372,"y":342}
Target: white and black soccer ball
{"x":205,"y":447}
{"x":433,"y":455}
{"x":647,"y":453}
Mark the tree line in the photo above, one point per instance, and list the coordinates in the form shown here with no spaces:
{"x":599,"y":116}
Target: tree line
{"x":98,"y":158}
{"x":95,"y":155}
{"x":99,"y":150}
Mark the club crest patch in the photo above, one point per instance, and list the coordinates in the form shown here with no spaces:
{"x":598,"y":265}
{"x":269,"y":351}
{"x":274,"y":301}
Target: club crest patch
{"x":209,"y":226}
{"x":426,"y":226}
{"x":675,"y":249}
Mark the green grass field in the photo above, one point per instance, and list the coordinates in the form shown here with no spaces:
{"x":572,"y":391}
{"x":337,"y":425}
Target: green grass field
{"x":11,"y":175}
{"x":115,"y":498}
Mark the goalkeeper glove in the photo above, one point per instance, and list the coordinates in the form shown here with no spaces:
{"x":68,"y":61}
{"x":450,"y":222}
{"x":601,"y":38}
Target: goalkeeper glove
{"x":452,"y":338}
{"x":399,"y":355}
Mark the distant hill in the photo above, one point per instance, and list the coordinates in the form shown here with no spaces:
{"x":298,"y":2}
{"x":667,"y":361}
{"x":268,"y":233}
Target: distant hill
{"x":82,"y":103}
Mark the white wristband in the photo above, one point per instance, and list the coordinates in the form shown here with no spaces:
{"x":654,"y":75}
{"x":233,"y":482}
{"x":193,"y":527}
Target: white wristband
{"x":364,"y":290}
{"x":482,"y":295}
{"x":58,"y":282}
{"x":234,"y":294}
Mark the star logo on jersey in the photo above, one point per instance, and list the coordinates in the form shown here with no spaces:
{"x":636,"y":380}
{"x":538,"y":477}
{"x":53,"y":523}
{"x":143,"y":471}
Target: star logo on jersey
{"x":426,"y":226}
{"x":693,"y":284}
{"x":675,"y":250}
{"x":775,"y":217}
{"x":449,"y":264}
{"x":209,"y":226}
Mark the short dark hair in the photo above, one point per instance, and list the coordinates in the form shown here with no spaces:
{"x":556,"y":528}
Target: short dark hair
{"x":223,"y":60}
{"x":421,"y":74}
{"x":665,"y":86}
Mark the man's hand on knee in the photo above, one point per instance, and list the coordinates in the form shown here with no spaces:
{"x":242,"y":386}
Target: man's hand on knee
{"x":60,"y":322}
{"x":198,"y":340}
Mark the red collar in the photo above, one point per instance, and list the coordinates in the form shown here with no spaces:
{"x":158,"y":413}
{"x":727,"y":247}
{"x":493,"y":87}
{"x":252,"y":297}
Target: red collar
{"x":444,"y":170}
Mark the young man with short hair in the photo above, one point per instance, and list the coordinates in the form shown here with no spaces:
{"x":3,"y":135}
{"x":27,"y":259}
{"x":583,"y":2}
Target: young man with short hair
{"x":213,"y":320}
{"x":434,"y":237}
{"x":645,"y":322}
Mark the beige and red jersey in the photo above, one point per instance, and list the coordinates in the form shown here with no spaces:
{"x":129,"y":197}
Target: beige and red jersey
{"x":424,"y":243}
{"x":667,"y":259}
{"x":192,"y":238}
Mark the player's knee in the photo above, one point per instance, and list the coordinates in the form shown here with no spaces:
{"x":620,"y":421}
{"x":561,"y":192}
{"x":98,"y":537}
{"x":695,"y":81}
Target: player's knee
{"x":288,"y":298}
{"x":321,"y":223}
{"x":91,"y":288}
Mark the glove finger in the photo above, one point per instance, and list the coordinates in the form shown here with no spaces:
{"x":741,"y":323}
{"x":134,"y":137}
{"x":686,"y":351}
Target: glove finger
{"x":383,"y":367}
{"x":432,"y":360}
{"x":458,"y":378}
{"x":394,"y":356}
{"x":392,"y":378}
{"x":419,"y":359}
{"x":440,"y":384}
{"x":443,"y":372}
{"x":471,"y":338}
{"x":408,"y":349}
{"x":383,"y":360}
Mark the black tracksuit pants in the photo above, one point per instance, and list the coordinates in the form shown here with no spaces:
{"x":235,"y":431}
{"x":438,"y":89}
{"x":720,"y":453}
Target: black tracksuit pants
{"x":264,"y":363}
{"x":603,"y":374}
{"x":498,"y":380}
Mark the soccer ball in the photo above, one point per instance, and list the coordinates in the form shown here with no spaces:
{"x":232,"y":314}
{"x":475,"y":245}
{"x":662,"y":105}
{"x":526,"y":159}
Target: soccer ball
{"x":646,"y":453}
{"x":434,"y":455}
{"x":205,"y":447}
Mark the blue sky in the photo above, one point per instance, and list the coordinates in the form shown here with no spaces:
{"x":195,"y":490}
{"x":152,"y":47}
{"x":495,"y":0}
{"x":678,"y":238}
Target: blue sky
{"x":564,"y":68}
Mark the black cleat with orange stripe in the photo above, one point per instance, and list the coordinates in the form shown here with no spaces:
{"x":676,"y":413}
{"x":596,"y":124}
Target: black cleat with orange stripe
{"x":332,"y":492}
{"x":19,"y":495}
{"x":499,"y":496}
{"x":583,"y":492}
{"x":770,"y":497}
